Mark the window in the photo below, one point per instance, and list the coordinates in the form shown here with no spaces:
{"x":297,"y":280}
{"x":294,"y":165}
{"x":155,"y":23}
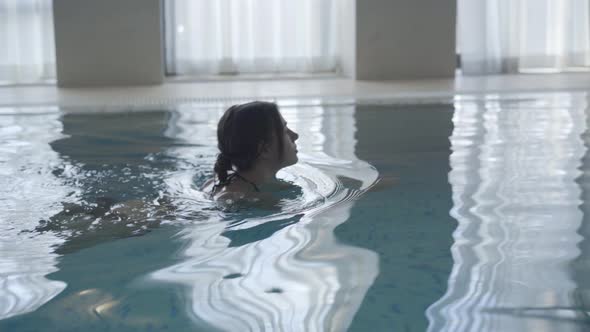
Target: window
{"x":526,"y":36}
{"x":227,"y":37}
{"x":28,"y":48}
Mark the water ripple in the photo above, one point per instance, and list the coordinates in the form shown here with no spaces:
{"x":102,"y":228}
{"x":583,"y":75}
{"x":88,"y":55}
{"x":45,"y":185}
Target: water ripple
{"x":29,"y":192}
{"x":287,"y":272}
{"x":516,"y":201}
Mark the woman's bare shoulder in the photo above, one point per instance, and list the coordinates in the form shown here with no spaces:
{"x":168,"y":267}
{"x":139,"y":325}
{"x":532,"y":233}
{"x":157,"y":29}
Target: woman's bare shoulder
{"x":233,"y":190}
{"x":239,"y":193}
{"x":208,"y":185}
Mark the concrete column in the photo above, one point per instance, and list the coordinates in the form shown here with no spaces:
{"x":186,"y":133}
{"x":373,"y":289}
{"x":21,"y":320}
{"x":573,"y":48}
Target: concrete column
{"x":108,"y":42}
{"x":348,"y":37}
{"x":405,"y":39}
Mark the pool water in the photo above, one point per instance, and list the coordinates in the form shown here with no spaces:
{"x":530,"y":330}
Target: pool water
{"x":467,"y":214}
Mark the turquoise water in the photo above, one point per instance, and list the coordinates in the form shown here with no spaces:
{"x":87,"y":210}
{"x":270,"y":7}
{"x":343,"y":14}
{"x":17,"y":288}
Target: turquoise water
{"x":462,"y":215}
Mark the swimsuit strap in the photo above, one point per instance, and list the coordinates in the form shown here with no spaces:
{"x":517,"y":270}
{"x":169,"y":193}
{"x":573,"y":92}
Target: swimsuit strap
{"x":237,"y":175}
{"x":230,"y":178}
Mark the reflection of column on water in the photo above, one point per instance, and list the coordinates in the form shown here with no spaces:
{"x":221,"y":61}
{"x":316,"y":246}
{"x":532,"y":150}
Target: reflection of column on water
{"x":118,"y":165}
{"x":29,"y":192}
{"x":514,"y":165}
{"x":299,"y":278}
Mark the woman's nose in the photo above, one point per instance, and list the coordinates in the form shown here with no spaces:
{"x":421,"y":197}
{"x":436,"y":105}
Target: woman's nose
{"x":294,"y":135}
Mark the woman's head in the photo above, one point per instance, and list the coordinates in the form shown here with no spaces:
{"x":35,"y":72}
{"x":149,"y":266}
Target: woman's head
{"x":251,"y":135}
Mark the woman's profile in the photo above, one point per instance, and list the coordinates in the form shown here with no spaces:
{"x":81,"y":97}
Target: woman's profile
{"x":254,"y":143}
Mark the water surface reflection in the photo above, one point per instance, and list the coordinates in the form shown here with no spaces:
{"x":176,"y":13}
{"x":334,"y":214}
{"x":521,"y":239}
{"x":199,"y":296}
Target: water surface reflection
{"x":299,"y":278}
{"x":29,"y":191}
{"x":514,"y":169}
{"x":405,"y":218}
{"x":339,"y":252}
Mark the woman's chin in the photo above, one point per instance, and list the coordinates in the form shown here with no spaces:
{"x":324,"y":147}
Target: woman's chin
{"x":291,"y":161}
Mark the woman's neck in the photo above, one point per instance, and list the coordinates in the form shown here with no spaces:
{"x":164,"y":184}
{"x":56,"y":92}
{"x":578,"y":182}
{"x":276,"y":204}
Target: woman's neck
{"x":259,"y":175}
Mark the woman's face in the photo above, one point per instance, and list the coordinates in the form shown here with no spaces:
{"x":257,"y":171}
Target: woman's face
{"x":289,"y":147}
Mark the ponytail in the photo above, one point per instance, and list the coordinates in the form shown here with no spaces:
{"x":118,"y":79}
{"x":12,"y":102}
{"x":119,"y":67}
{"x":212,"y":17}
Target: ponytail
{"x":222,"y":166}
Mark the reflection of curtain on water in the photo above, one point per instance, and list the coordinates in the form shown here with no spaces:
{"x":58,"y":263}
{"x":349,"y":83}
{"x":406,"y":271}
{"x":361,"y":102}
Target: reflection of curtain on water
{"x":514,"y":165}
{"x":29,"y":192}
{"x":298,"y":279}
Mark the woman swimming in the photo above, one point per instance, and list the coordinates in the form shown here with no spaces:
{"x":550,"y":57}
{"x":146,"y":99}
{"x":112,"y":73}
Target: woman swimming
{"x":254,"y":143}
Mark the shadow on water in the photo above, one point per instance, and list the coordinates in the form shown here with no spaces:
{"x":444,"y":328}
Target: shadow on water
{"x":407,"y":222}
{"x":260,"y":232}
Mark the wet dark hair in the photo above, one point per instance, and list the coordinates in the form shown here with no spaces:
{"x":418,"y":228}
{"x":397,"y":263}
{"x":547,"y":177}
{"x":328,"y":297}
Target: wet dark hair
{"x":241,"y":131}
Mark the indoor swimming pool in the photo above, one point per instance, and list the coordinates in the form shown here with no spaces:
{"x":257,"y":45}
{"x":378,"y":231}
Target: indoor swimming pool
{"x":469,"y":213}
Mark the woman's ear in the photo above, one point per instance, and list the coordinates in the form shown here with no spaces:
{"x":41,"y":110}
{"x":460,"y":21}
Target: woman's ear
{"x":264,"y":150}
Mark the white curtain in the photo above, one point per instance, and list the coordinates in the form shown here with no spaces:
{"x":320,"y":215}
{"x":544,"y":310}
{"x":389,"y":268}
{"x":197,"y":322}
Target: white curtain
{"x":27,"y":46}
{"x":509,"y":36}
{"x":205,"y":37}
